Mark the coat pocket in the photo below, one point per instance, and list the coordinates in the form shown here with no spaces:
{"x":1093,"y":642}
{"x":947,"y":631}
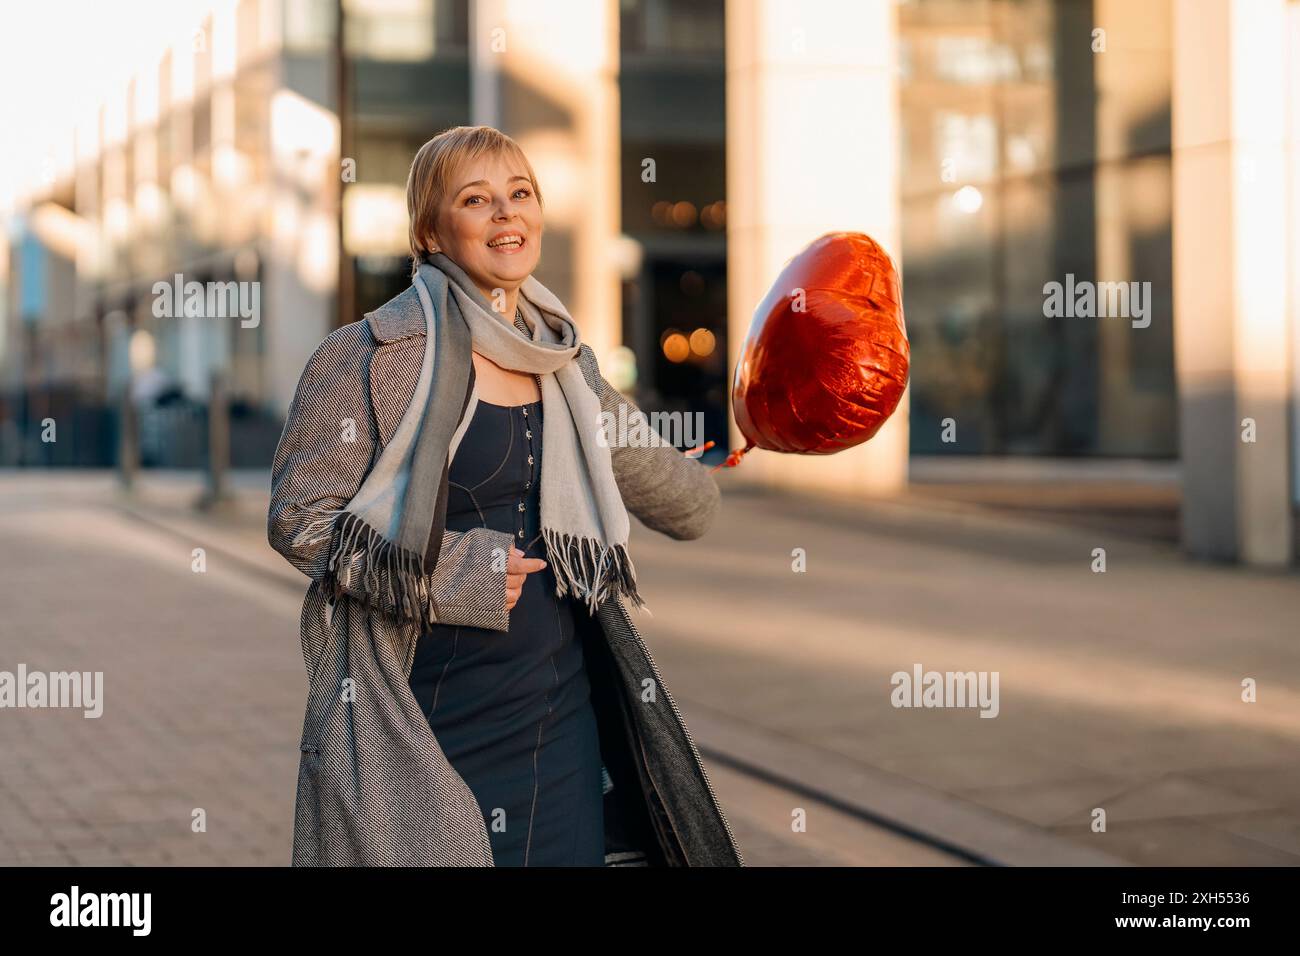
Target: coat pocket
{"x":324,"y":699}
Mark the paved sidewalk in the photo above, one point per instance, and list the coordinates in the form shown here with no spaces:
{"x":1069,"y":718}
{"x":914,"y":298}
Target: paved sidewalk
{"x":1118,"y":691}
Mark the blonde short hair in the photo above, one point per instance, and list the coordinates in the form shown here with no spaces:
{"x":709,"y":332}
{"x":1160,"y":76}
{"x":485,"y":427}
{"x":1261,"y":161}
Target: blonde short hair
{"x":431,"y":171}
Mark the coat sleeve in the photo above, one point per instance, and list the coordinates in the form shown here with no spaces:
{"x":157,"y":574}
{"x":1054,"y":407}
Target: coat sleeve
{"x":667,"y":491}
{"x":325,"y":452}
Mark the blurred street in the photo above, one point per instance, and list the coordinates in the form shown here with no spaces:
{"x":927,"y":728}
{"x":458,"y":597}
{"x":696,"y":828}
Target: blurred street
{"x":1118,"y":690}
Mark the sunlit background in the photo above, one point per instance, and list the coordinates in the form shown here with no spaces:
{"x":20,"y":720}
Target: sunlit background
{"x":687,"y":148}
{"x":1041,"y":506}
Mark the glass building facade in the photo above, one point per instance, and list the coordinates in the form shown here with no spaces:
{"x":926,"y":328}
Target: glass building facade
{"x":672,"y":88}
{"x":1036,"y":145}
{"x":1032,"y":147}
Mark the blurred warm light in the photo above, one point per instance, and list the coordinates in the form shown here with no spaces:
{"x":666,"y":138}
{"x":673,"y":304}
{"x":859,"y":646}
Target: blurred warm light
{"x":57,"y":89}
{"x":627,"y":255}
{"x":1021,"y":153}
{"x":85,"y":133}
{"x":551,"y":154}
{"x":569,"y":35}
{"x":231,"y":169}
{"x":285,"y":219}
{"x":968,"y":199}
{"x":61,"y":229}
{"x":117,"y":220}
{"x":714,"y":215}
{"x":142,"y":350}
{"x":182,"y":51}
{"x":150,"y":205}
{"x":114,"y":120}
{"x":684,"y":214}
{"x":144,"y":107}
{"x":145,"y":156}
{"x":675,"y":347}
{"x":222,"y":42}
{"x":620,"y":368}
{"x":375,"y":220}
{"x":390,"y":31}
{"x":702,"y":342}
{"x":223,"y":122}
{"x":974,"y":60}
{"x":318,"y":259}
{"x":185,"y":186}
{"x":968,"y":140}
{"x":300,"y":127}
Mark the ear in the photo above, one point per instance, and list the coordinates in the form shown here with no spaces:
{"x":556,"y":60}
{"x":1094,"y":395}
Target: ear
{"x":431,"y":240}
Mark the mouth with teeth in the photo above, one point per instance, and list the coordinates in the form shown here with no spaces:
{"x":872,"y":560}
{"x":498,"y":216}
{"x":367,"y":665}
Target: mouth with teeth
{"x":507,"y":243}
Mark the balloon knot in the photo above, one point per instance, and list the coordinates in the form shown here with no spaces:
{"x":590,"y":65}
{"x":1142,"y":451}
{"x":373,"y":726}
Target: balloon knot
{"x":733,"y":459}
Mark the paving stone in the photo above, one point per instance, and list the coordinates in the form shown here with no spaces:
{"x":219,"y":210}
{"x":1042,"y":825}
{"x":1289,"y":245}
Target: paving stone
{"x":1120,"y":690}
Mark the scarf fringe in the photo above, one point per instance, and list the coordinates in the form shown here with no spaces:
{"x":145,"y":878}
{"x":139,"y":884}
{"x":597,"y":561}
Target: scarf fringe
{"x":407,"y":586}
{"x":590,"y":572}
{"x":583,"y":568}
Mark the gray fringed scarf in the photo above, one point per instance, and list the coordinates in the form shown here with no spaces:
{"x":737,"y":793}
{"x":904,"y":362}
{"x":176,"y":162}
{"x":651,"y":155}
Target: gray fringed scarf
{"x":393,"y":513}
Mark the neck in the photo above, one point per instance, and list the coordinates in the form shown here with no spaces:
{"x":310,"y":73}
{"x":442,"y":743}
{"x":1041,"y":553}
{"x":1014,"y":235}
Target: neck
{"x":511,"y":303}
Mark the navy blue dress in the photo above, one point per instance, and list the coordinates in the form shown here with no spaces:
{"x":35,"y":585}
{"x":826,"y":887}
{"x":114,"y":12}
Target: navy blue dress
{"x":512,"y":711}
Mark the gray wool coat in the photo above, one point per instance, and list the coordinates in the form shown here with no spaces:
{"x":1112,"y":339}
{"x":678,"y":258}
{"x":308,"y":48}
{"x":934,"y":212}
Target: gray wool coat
{"x":374,"y":787}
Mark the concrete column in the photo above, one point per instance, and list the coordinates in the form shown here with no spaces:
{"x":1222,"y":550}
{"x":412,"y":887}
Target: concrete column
{"x":547,"y":75}
{"x":298,"y":255}
{"x":812,"y":147}
{"x":1231,"y":250}
{"x":1293,"y":235}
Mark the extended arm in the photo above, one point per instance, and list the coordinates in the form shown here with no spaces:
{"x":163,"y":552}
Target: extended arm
{"x":667,"y":491}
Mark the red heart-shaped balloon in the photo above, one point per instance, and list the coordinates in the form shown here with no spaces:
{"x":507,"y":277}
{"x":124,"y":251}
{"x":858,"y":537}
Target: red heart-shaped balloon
{"x":826,"y":358}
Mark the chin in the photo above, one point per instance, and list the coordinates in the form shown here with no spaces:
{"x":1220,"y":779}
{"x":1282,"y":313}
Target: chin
{"x":520,"y":272}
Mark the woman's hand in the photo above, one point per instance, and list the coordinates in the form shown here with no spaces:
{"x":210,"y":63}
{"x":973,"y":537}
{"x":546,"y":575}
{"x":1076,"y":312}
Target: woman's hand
{"x":517,"y":568}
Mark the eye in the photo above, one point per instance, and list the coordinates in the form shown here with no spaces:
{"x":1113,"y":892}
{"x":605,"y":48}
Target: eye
{"x":472,"y":198}
{"x":525,"y":190}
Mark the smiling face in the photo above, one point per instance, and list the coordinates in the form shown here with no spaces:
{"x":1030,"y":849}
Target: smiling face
{"x":490,"y":224}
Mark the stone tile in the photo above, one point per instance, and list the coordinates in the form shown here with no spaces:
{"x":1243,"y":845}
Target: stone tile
{"x":96,"y":856}
{"x":223,"y":736}
{"x":1189,"y":842}
{"x":761,"y":815}
{"x":1264,"y":782}
{"x":1281,"y":831}
{"x":1175,"y":796}
{"x":1048,"y":804}
{"x":954,"y":771}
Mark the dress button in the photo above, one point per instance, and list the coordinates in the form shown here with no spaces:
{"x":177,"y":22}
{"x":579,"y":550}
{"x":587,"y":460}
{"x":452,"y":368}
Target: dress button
{"x":529,"y":434}
{"x":525,"y":412}
{"x":521,"y":506}
{"x":521,"y":532}
{"x":530,"y":459}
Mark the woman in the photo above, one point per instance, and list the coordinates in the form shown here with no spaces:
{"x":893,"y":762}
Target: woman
{"x":478,"y":693}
